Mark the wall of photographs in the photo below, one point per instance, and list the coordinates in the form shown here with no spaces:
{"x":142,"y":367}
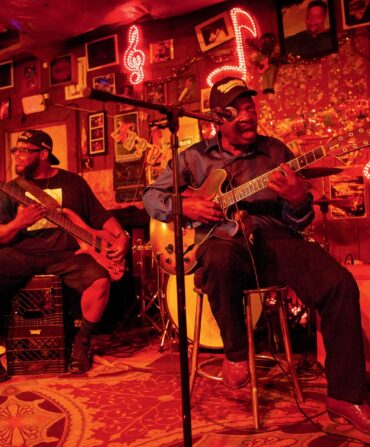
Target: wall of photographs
{"x":303,"y":98}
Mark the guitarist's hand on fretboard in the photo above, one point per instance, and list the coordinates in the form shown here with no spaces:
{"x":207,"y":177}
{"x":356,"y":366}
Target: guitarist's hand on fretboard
{"x":27,"y":216}
{"x":201,"y":210}
{"x":289,"y":186}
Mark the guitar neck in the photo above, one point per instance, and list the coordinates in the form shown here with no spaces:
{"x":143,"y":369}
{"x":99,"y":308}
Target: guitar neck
{"x":251,"y":187}
{"x":51,"y":215}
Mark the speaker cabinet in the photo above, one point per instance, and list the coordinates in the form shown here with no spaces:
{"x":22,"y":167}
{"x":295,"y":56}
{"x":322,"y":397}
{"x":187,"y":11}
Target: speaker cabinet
{"x":361,"y":274}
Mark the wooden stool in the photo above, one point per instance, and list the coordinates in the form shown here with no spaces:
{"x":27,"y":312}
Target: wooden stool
{"x":280,"y":292}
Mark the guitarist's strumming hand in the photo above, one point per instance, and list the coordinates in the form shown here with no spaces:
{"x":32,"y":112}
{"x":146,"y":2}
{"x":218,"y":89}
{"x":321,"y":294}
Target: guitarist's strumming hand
{"x":120,"y":248}
{"x":201,"y":210}
{"x":289,"y":186}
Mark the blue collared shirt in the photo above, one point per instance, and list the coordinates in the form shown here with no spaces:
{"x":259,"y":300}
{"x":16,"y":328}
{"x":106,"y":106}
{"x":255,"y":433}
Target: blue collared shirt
{"x":201,"y":159}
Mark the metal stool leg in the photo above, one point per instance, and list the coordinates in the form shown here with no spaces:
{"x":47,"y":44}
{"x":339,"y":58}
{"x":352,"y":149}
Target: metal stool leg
{"x":287,"y":345}
{"x":252,"y":362}
{"x":195,"y":354}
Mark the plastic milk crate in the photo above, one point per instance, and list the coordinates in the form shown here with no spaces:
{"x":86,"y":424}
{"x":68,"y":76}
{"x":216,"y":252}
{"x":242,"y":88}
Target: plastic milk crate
{"x":35,"y":340}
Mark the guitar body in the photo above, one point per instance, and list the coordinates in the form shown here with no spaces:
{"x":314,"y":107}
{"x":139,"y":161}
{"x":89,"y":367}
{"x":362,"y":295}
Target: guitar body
{"x":162,"y":235}
{"x":102,"y":240}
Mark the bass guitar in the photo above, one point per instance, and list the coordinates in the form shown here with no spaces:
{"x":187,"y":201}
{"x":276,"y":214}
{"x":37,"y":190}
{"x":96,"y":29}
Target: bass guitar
{"x":93,"y":242}
{"x":162,"y":234}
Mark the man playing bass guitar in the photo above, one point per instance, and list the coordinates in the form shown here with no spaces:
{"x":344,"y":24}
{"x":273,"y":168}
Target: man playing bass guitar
{"x":36,"y":240}
{"x":279,"y":208}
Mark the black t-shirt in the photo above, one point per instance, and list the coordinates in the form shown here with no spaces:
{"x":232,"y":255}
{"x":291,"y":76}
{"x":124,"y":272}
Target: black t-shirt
{"x":72,"y":192}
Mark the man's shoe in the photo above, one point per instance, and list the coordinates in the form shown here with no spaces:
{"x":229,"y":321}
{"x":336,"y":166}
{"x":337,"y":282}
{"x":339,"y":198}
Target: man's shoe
{"x":235,"y":374}
{"x":357,"y":415}
{"x":3,"y":373}
{"x":81,"y":358}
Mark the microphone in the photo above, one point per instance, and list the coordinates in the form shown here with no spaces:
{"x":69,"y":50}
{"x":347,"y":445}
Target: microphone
{"x":229,"y":113}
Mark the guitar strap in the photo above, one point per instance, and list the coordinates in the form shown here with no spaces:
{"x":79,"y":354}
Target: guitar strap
{"x":39,"y":193}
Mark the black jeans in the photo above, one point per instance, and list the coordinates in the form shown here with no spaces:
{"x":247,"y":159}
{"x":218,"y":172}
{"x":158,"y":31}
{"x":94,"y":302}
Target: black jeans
{"x":317,"y":279}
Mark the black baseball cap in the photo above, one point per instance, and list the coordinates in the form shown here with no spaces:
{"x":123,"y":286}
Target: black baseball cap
{"x":40,"y":139}
{"x":226,"y":90}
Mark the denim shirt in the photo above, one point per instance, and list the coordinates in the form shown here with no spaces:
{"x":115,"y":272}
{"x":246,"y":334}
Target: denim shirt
{"x":201,"y":159}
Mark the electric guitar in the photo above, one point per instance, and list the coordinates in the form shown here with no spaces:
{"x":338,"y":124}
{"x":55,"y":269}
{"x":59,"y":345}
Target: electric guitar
{"x":91,"y":241}
{"x":162,"y":235}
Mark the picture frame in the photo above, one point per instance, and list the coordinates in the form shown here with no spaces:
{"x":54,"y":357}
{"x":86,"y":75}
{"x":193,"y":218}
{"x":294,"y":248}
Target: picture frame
{"x":155,"y":93}
{"x":214,"y":31}
{"x":161,"y":51}
{"x":204,"y":99}
{"x":30,"y":76}
{"x":62,"y":70}
{"x":4,"y":109}
{"x":102,"y":52}
{"x":349,"y":187}
{"x":187,"y":89}
{"x":298,"y":36}
{"x":74,"y":91}
{"x":126,"y":128}
{"x":6,"y":75}
{"x":355,"y":13}
{"x":106,"y":82}
{"x":97,"y":134}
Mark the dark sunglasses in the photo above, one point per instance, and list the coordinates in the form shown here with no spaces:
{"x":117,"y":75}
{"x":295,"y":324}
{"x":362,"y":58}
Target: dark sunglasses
{"x":24,"y":150}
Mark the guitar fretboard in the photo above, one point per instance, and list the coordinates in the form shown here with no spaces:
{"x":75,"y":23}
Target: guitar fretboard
{"x":247,"y":189}
{"x":56,"y":218}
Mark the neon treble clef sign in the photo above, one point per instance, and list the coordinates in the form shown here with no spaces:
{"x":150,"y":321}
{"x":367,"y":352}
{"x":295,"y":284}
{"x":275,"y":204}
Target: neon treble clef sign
{"x":241,"y":20}
{"x":134,"y":58}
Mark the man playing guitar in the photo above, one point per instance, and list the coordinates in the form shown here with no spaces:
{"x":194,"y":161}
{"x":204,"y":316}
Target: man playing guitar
{"x":36,"y":240}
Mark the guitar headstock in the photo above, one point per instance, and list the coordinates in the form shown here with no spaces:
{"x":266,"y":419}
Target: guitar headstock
{"x":352,"y":141}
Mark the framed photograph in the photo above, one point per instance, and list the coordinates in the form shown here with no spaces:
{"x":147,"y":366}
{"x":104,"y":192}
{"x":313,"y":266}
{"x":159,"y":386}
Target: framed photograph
{"x":348,"y":188}
{"x":155,"y":93}
{"x":307,"y":29}
{"x":126,"y":131}
{"x":214,"y":32}
{"x":6,"y":75}
{"x":105,"y":82}
{"x":204,"y":99}
{"x":97,"y":134}
{"x":355,"y":13}
{"x":74,"y":91}
{"x":63,"y":70}
{"x":187,"y":90}
{"x":102,"y":52}
{"x":161,"y":51}
{"x":30,"y":76}
{"x":4,"y":109}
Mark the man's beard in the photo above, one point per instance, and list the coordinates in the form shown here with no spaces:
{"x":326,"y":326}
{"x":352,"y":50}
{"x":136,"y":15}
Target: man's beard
{"x":29,"y":170}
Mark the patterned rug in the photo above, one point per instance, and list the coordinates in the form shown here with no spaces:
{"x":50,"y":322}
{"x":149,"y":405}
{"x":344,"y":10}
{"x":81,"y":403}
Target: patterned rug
{"x":132,"y":397}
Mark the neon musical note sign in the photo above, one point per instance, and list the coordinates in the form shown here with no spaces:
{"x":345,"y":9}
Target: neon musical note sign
{"x":134,"y":58}
{"x":241,"y":20}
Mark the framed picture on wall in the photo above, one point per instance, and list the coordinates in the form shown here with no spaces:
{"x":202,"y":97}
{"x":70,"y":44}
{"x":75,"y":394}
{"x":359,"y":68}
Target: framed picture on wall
{"x":97,"y":135}
{"x":106,"y":82}
{"x":102,"y":52}
{"x":307,"y":30}
{"x":155,"y":93}
{"x":63,"y":70}
{"x":75,"y":90}
{"x":204,"y":99}
{"x":4,"y":109}
{"x":161,"y":51}
{"x":355,"y":13}
{"x":30,"y":76}
{"x":348,"y":188}
{"x":6,"y":75}
{"x":187,"y":90}
{"x":214,"y":32}
{"x":126,"y":131}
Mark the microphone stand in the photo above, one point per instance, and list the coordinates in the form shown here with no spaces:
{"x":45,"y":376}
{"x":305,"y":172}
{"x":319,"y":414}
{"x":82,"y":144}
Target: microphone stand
{"x":173,"y":114}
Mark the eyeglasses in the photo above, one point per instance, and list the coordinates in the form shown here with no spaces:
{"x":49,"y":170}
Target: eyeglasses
{"x":24,"y":150}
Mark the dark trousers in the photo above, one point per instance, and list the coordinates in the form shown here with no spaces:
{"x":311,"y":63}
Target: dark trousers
{"x":317,"y":279}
